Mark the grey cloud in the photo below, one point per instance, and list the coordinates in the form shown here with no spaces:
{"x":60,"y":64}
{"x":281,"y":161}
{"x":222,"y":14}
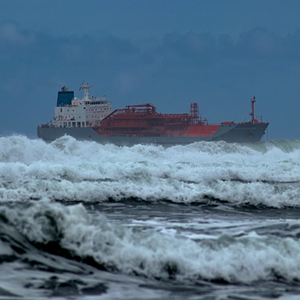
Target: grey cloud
{"x":257,"y":43}
{"x":39,"y":46}
{"x":191,"y":44}
{"x":19,"y":46}
{"x":10,"y":33}
{"x":262,"y":43}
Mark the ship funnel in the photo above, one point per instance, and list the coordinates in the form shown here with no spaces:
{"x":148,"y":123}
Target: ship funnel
{"x":64,"y":97}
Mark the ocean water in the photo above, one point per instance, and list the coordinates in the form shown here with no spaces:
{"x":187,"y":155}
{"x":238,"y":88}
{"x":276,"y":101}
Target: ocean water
{"x":210,"y":220}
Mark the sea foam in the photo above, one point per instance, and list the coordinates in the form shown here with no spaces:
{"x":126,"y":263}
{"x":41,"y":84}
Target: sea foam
{"x":70,"y":170}
{"x":247,"y":258}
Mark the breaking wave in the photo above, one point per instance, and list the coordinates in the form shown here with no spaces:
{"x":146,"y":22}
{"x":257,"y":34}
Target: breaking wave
{"x":73,"y":233}
{"x":264,"y":173}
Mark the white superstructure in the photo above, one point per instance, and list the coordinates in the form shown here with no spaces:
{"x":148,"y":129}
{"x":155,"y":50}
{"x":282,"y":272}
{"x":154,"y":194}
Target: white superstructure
{"x":85,"y":112}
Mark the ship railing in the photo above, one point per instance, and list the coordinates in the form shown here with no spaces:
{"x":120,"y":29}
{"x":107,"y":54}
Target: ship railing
{"x":207,"y":124}
{"x":176,"y":115}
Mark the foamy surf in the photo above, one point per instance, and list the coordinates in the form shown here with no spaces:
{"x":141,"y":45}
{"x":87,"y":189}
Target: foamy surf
{"x":69,"y":170}
{"x":209,"y":220}
{"x":237,"y":257}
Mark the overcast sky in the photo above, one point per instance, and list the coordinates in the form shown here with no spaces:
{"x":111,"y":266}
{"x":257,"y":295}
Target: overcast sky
{"x":219,"y":53}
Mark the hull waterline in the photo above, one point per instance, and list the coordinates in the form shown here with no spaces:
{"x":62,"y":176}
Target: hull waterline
{"x":234,"y":133}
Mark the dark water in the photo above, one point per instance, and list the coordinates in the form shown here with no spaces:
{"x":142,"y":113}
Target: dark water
{"x":207,"y":221}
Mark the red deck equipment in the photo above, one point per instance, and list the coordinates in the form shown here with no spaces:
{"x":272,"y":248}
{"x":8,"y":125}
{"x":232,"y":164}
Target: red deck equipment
{"x":144,"y":121}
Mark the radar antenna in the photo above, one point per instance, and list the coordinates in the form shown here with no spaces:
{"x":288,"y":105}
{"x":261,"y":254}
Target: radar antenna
{"x":86,"y":88}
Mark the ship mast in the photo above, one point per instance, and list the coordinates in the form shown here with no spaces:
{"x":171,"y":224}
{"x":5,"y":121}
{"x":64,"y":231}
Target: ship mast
{"x":86,"y":88}
{"x":252,"y":111}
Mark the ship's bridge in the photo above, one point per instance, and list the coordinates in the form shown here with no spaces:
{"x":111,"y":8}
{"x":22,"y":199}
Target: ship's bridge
{"x":75,"y":112}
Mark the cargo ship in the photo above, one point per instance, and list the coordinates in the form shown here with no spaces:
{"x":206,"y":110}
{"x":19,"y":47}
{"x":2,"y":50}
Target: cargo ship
{"x":92,"y":119}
